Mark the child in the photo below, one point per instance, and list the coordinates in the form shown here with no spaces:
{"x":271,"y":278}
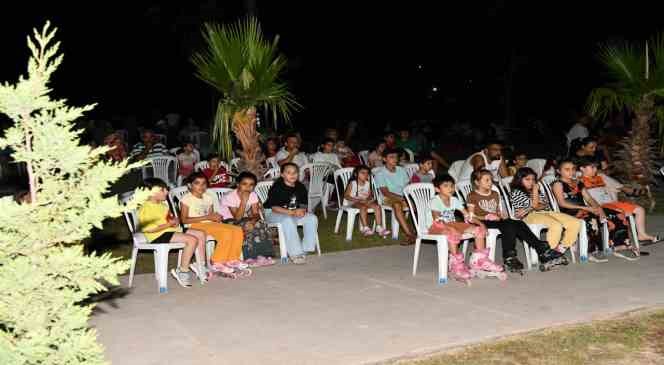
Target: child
{"x":443,"y":207}
{"x":359,"y":195}
{"x":575,"y":201}
{"x":346,"y":155}
{"x":326,"y":153}
{"x":186,"y":160}
{"x":243,"y":208}
{"x":287,"y":203}
{"x":519,"y":161}
{"x":376,"y":156}
{"x":216,"y":174}
{"x":531,"y":205}
{"x":391,"y":180}
{"x":197,"y":211}
{"x":489,"y":210}
{"x":598,"y":189}
{"x":423,"y":174}
{"x":160,"y":226}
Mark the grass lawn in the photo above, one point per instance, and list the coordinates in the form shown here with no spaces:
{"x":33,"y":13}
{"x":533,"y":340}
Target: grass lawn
{"x":632,"y":339}
{"x":115,"y":238}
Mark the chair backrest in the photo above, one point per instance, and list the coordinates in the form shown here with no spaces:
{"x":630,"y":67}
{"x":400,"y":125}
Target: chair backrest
{"x":225,"y":165}
{"x":263,"y":188}
{"x":130,"y":215}
{"x":272,"y":173}
{"x":504,"y":192}
{"x":418,"y":196}
{"x":537,"y":164}
{"x":175,"y":195}
{"x":317,"y":174}
{"x":455,"y":169}
{"x":548,"y":179}
{"x":163,"y":167}
{"x":553,"y":203}
{"x":219,"y":194}
{"x":344,"y":175}
{"x":234,"y":164}
{"x":200,"y":166}
{"x":364,"y":157}
{"x":411,"y":155}
{"x":463,"y":188}
{"x":411,"y":168}
{"x":271,"y":162}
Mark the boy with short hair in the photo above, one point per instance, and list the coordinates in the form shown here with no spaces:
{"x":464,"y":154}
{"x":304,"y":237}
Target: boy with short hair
{"x":423,"y":174}
{"x":391,"y":179}
{"x":159,"y":225}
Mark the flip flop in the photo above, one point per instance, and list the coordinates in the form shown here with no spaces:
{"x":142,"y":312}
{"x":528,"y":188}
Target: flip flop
{"x":657,"y":239}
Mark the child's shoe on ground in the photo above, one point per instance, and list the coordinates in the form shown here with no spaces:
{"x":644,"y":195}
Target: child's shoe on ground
{"x":366,"y":231}
{"x":382,"y":231}
{"x":298,"y":260}
{"x":458,"y":269}
{"x":183,"y":278}
{"x":482,"y":266}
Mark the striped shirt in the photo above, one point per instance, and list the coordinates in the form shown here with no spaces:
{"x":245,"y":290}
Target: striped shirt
{"x":522,"y":200}
{"x":158,"y":149}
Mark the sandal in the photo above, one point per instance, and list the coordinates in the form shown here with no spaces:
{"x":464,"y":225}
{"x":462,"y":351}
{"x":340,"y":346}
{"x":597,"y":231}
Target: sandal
{"x":657,"y":239}
{"x":410,"y":240}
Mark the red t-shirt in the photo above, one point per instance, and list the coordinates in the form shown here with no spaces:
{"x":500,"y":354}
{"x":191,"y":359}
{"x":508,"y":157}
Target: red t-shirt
{"x":218,"y":179}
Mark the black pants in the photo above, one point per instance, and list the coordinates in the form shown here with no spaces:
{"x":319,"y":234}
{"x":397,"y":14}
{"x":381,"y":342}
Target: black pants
{"x":510,"y":230}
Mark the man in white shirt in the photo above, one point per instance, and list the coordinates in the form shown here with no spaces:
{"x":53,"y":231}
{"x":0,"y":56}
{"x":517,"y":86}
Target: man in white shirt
{"x":578,"y":130}
{"x":326,"y":153}
{"x":291,"y":153}
{"x":490,"y":158}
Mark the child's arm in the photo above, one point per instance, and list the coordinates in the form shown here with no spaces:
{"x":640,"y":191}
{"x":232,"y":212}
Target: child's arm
{"x":435,"y":214}
{"x":390,"y":194}
{"x":536,"y":204}
{"x":560,"y":199}
{"x":186,"y":219}
{"x":159,"y":228}
{"x":348,"y":194}
{"x":596,"y":208}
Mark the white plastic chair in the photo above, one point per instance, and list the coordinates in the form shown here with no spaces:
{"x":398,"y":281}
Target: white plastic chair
{"x":262,"y":189}
{"x":234,"y":165}
{"x":164,"y":168}
{"x":548,"y":179}
{"x":272,"y":174}
{"x":394,"y":223}
{"x":411,"y":169}
{"x":201,"y":166}
{"x":344,"y":175}
{"x":537,"y":164}
{"x":318,"y":191}
{"x":160,"y":250}
{"x":364,"y":157}
{"x":411,"y":155}
{"x":455,"y":169}
{"x":272,"y":163}
{"x":418,"y":196}
{"x":219,"y":193}
{"x":175,"y":195}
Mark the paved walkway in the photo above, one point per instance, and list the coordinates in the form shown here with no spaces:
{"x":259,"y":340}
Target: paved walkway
{"x":359,"y":307}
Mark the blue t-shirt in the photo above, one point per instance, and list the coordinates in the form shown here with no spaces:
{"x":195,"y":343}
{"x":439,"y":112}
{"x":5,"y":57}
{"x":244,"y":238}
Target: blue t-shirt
{"x":446,"y":212}
{"x":395,"y":181}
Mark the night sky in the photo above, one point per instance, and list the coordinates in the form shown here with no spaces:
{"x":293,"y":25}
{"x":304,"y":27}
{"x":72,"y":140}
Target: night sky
{"x":346,"y":61}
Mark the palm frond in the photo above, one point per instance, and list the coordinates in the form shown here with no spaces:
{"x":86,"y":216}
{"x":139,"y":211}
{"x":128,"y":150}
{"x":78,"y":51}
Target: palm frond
{"x":246,"y":69}
{"x":602,"y":101}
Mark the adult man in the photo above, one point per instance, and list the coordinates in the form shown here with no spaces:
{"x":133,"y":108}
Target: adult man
{"x":148,"y":148}
{"x":490,"y":158}
{"x":291,"y":152}
{"x":579,"y":130}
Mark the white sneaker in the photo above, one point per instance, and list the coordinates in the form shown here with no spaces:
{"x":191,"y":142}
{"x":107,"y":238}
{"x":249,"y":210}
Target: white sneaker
{"x":366,"y":231}
{"x":203,"y":275}
{"x":382,"y":231}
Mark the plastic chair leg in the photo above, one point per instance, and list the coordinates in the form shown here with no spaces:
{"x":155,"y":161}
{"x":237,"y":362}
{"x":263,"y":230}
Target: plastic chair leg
{"x":443,"y":252}
{"x":350,"y":225}
{"x":209,"y":250}
{"x":282,"y":245}
{"x":491,"y":242}
{"x":583,"y":244}
{"x":134,"y":254}
{"x":179,"y":257}
{"x":318,"y":245}
{"x":161,"y":254}
{"x":464,"y":248}
{"x":340,"y":215}
{"x":416,"y":255}
{"x":634,"y":233}
{"x":395,"y":227}
{"x":605,"y":238}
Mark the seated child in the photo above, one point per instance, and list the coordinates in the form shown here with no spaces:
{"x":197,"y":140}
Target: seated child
{"x":597,"y":188}
{"x":346,"y":155}
{"x":532,"y":205}
{"x":160,"y":226}
{"x":575,"y":201}
{"x":359,"y":195}
{"x":197,"y":211}
{"x":391,"y":179}
{"x":423,"y":174}
{"x":520,"y":160}
{"x":216,"y":174}
{"x":326,"y":153}
{"x":443,"y":207}
{"x":242,"y":207}
{"x":287,"y":203}
{"x":187,"y":159}
{"x":376,"y":155}
{"x":486,"y":204}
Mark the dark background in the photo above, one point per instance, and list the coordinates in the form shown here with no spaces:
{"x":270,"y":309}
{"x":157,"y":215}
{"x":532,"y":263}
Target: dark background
{"x":489,"y":60}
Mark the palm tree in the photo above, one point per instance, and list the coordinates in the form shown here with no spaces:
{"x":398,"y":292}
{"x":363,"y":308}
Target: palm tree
{"x":245,"y":69}
{"x":636,"y":84}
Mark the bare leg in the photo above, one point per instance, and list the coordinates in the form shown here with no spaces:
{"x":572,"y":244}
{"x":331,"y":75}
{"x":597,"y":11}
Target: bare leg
{"x":364,"y":216}
{"x":200,"y":244}
{"x":378,"y":214}
{"x":190,"y":243}
{"x":397,"y":209}
{"x":480,"y":242}
{"x":453,"y":247}
{"x":640,"y":218}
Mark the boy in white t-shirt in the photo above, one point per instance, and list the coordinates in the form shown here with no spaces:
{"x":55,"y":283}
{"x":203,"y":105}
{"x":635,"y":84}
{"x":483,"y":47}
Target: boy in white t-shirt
{"x":443,"y":208}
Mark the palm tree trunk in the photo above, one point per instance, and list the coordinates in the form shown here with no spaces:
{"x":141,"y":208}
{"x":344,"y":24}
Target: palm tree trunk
{"x":637,"y":149}
{"x":244,"y":127}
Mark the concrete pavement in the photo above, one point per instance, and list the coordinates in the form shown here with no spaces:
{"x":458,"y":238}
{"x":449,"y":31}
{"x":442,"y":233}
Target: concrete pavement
{"x":358,"y":307}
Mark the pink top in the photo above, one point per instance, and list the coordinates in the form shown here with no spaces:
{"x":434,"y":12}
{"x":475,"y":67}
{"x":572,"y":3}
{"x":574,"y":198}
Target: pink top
{"x":232,"y":199}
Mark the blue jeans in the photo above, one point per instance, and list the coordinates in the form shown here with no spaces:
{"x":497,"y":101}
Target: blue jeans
{"x":294,"y":246}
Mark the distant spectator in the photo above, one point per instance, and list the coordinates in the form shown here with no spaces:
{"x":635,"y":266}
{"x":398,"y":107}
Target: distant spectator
{"x":520,"y":160}
{"x":148,"y":148}
{"x":405,"y":141}
{"x":326,"y":153}
{"x":271,"y":147}
{"x":390,"y":140}
{"x":216,"y":173}
{"x":291,"y":152}
{"x":423,"y":174}
{"x":118,"y":153}
{"x":187,"y":159}
{"x":376,"y":155}
{"x":579,"y":129}
{"x":588,"y":148}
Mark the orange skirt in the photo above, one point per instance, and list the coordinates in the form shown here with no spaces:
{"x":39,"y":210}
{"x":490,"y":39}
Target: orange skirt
{"x":229,"y":240}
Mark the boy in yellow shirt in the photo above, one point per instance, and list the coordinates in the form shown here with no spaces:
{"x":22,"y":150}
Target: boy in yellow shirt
{"x":160,"y":226}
